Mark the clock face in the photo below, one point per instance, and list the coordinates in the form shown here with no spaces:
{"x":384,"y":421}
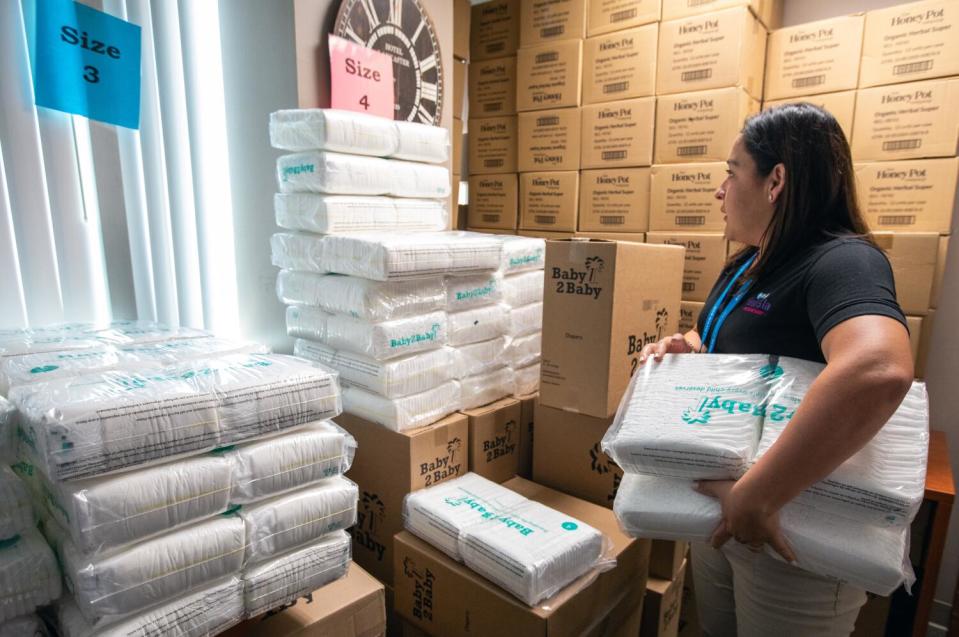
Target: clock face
{"x":402,"y":30}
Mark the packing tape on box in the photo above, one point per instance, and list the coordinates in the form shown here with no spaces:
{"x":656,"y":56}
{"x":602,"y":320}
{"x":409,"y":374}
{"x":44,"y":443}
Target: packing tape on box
{"x":476,"y":325}
{"x":529,"y":549}
{"x":16,"y":511}
{"x":112,"y":421}
{"x":526,"y":380}
{"x":483,"y":389}
{"x":341,"y":174}
{"x":389,"y":339}
{"x":479,"y":358}
{"x":332,"y":214}
{"x":361,"y":298}
{"x":29,"y":575}
{"x":468,"y":292}
{"x":524,"y":288}
{"x":406,"y":413}
{"x":394,"y":378}
{"x":525,"y":320}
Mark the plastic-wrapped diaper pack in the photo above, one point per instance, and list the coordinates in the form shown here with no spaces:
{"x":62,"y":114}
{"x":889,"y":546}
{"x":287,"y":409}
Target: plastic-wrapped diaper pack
{"x":522,"y":254}
{"x":24,"y":626}
{"x":525,"y":350}
{"x":98,"y":423}
{"x":479,"y":358}
{"x":306,"y":322}
{"x":479,"y":324}
{"x":29,"y":575}
{"x":394,"y":378}
{"x":403,"y":414}
{"x":389,"y":339}
{"x":525,"y":320}
{"x":341,"y":174}
{"x":526,"y":380}
{"x":16,"y":512}
{"x":361,"y":298}
{"x":298,"y":251}
{"x":422,"y":142}
{"x":696,"y":417}
{"x":206,"y":611}
{"x":290,"y":461}
{"x":8,"y":431}
{"x":483,"y":389}
{"x":285,"y":579}
{"x":330,"y":214}
{"x":288,"y":521}
{"x":151,"y":572}
{"x":467,"y":292}
{"x":523,"y":288}
{"x":529,"y":549}
{"x":874,"y":558}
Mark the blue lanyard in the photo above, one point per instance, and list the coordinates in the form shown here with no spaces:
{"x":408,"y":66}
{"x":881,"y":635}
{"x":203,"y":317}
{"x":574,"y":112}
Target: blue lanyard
{"x":729,"y":308}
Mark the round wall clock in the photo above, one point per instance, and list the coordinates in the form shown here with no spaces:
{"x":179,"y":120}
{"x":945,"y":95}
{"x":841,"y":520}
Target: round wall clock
{"x":403,"y":30}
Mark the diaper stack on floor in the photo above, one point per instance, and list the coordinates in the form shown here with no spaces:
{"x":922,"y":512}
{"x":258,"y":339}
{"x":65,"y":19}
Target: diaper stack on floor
{"x":710,"y":417}
{"x":182,"y":484}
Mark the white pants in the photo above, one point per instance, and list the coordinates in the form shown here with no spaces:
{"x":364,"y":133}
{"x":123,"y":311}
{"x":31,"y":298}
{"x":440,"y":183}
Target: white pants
{"x":748,"y":594}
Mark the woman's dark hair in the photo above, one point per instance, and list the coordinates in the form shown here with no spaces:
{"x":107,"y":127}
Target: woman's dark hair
{"x":819,"y":200}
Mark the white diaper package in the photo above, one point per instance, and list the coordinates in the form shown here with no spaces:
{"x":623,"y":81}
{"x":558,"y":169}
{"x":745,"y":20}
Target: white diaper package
{"x":29,"y":575}
{"x":526,"y":380}
{"x":483,"y":389}
{"x":389,"y":339}
{"x":106,"y":512}
{"x":403,"y":414}
{"x":479,"y":358}
{"x":299,"y":251}
{"x":205,"y":611}
{"x":296,"y":574}
{"x":479,"y":324}
{"x":8,"y":431}
{"x":24,"y":626}
{"x":341,"y":174}
{"x":99,"y":423}
{"x":142,"y":332}
{"x":884,"y":482}
{"x":289,"y":521}
{"x":467,"y":292}
{"x":16,"y":511}
{"x":525,"y":320}
{"x":874,"y":558}
{"x":522,"y":254}
{"x":422,"y":142}
{"x":332,"y":129}
{"x":290,"y":461}
{"x":306,"y":322}
{"x":525,"y":350}
{"x":393,"y":378}
{"x":695,"y":417}
{"x":41,"y":343}
{"x":361,"y":298}
{"x":529,"y":549}
{"x":523,"y":289}
{"x":150,"y":572}
{"x":331,"y":214}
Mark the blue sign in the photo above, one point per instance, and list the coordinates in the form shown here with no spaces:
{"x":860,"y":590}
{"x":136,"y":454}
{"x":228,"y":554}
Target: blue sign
{"x":86,"y":62}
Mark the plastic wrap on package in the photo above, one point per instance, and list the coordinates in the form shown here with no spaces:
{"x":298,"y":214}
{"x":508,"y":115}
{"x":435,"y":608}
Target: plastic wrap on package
{"x":298,"y":251}
{"x":422,"y":142}
{"x":526,"y":380}
{"x":483,"y":389}
{"x":330,"y":214}
{"x":289,"y":521}
{"x":402,"y":414}
{"x":306,"y":322}
{"x":467,"y":292}
{"x":523,"y":288}
{"x":884,"y":482}
{"x":525,"y":320}
{"x":107,"y":512}
{"x":389,"y":339}
{"x":694,"y":416}
{"x":11,"y":346}
{"x":332,"y":129}
{"x":361,"y":298}
{"x":479,"y":324}
{"x":29,"y":575}
{"x":151,"y":572}
{"x":394,"y":378}
{"x":289,"y":461}
{"x":143,"y":332}
{"x":521,"y":254}
{"x":206,"y":611}
{"x":479,"y":358}
{"x":340,"y":174}
{"x":525,"y":350}
{"x":285,"y":579}
{"x":383,"y":256}
{"x":24,"y":626}
{"x":8,"y":431}
{"x":872,"y":557}
{"x":16,"y":511}
{"x":99,"y":423}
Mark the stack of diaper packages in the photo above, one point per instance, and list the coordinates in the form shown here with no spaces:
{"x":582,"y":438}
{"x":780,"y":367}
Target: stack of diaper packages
{"x":523,"y":278}
{"x":408,"y":314}
{"x":711,"y":417}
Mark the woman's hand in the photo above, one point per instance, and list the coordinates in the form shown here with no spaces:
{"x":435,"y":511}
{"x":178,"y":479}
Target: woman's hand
{"x":744,"y":519}
{"x":675,"y":344}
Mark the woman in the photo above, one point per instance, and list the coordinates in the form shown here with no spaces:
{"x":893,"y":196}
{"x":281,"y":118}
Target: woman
{"x":809,"y":284}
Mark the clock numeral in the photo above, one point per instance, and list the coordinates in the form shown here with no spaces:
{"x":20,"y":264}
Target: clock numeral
{"x":429,"y":91}
{"x":424,"y":115}
{"x":365,"y":103}
{"x":396,"y":12}
{"x":370,"y":13}
{"x":428,"y":63}
{"x":419,"y":29}
{"x":351,"y":34}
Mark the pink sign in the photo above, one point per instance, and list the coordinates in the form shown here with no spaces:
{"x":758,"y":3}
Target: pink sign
{"x":361,"y":79}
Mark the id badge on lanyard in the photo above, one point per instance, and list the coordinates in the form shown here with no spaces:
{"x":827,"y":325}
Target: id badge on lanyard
{"x":714,"y":322}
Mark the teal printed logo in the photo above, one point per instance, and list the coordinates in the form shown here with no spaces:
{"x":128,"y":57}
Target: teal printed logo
{"x":771,"y":372}
{"x":139,"y":382}
{"x":43,"y":369}
{"x":516,"y":262}
{"x":570,"y":526}
{"x":416,"y":338}
{"x":710,"y":404}
{"x":289,"y":171}
{"x":476,"y":293}
{"x":694,"y":418}
{"x":486,"y":514}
